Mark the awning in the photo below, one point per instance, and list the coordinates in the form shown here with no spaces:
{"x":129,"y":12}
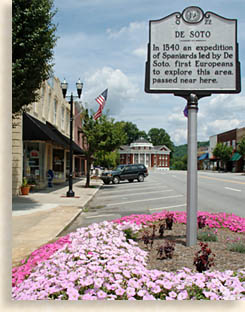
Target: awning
{"x":235,"y":157}
{"x":33,"y":129}
{"x":203,"y":156}
{"x":76,"y":148}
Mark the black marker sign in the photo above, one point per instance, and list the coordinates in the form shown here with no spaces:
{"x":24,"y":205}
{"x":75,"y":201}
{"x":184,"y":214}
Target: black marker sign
{"x":193,"y":52}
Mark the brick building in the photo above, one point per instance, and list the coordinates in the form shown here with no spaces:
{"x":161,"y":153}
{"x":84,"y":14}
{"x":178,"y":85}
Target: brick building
{"x":142,"y":151}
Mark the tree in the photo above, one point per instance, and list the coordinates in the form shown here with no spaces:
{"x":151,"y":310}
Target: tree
{"x":33,"y":38}
{"x":241,"y":147}
{"x":131,"y":131}
{"x":100,"y":136}
{"x":107,"y":159}
{"x":160,"y":137}
{"x":223,"y":152}
{"x":179,"y":163}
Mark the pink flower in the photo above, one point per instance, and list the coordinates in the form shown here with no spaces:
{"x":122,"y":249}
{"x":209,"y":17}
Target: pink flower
{"x":182,"y":295}
{"x":130,"y":292}
{"x":120,"y":291}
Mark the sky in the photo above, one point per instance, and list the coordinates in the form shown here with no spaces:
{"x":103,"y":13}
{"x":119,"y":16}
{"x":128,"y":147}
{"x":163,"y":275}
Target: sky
{"x":104,"y":43}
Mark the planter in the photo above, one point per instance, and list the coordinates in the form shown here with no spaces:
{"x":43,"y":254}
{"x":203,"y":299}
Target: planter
{"x":25,"y":190}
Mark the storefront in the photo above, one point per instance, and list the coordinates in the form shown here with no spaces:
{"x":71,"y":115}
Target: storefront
{"x":34,"y":162}
{"x":45,"y":148}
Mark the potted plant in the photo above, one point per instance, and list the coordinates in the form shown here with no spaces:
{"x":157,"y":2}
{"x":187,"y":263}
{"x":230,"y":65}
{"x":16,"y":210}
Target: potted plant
{"x":25,"y":187}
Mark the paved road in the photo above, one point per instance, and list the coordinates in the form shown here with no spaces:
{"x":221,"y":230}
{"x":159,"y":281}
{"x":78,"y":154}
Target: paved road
{"x":217,"y":192}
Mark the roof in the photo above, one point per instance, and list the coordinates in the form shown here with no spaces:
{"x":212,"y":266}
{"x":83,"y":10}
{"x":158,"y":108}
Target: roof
{"x":34,"y":129}
{"x":141,"y":140}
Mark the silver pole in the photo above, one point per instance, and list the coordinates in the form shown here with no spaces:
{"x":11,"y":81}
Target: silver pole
{"x":191,"y":226}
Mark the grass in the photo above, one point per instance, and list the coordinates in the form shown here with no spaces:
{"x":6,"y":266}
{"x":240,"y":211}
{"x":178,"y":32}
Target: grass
{"x":207,"y":236}
{"x":237,"y":247}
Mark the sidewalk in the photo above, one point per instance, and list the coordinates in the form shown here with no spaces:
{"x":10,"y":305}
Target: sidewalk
{"x":41,"y":216}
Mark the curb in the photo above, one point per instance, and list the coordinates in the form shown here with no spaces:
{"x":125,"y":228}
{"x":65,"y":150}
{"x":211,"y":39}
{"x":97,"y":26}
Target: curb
{"x":78,"y":213}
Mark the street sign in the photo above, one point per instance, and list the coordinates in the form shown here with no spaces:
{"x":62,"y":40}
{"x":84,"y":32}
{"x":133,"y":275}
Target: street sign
{"x":193,"y":52}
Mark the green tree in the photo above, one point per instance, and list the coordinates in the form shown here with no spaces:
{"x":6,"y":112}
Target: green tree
{"x":223,"y":152}
{"x":100,"y":136}
{"x":33,"y":40}
{"x":160,"y":137}
{"x":107,"y":159}
{"x":131,"y":131}
{"x":241,"y":147}
{"x":179,"y":163}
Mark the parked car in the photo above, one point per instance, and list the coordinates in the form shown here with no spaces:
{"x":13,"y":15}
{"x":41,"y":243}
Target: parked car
{"x":125,"y":172}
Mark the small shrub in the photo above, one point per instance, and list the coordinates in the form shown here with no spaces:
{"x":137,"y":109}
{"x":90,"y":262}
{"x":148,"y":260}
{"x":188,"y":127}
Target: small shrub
{"x":161,"y":230}
{"x":167,"y":248}
{"x":146,"y":238}
{"x":130,"y":234}
{"x":207,"y":236}
{"x":202,"y":260}
{"x":169,"y":220}
{"x":237,"y":245}
{"x":201,"y":221}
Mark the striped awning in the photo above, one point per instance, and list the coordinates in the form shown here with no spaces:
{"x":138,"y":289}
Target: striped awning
{"x":236,"y":157}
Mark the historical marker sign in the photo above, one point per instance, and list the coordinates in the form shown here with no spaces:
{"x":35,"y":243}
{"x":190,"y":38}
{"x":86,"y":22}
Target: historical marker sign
{"x":193,"y":51}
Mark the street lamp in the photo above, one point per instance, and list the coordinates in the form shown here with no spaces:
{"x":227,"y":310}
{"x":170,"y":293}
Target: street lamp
{"x":64,"y":87}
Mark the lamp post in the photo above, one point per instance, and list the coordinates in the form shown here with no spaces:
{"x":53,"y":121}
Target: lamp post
{"x":64,"y":86}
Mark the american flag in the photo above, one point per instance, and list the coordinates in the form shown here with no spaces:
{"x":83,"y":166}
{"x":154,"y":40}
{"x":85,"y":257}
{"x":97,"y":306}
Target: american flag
{"x":101,"y":99}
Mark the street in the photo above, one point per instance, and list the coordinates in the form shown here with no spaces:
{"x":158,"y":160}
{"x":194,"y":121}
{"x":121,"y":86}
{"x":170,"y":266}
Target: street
{"x":217,"y":192}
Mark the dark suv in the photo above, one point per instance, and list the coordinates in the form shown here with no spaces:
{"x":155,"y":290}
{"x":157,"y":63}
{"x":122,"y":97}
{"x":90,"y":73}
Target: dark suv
{"x":125,"y":172}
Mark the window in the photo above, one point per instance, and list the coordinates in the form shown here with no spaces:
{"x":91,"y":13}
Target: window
{"x":42,"y":101}
{"x":55,"y":112}
{"x":67,"y":121}
{"x":49,"y":103}
{"x":62,"y":118}
{"x":234,"y":144}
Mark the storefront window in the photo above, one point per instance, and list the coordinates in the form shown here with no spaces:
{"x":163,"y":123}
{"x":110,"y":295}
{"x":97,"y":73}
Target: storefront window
{"x":58,"y":163}
{"x":33,"y":162}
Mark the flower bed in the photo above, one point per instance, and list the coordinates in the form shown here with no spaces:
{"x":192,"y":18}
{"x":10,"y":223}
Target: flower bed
{"x":98,"y":263}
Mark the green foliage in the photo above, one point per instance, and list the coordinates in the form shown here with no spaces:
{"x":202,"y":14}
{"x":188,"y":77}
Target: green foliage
{"x":130,"y":234}
{"x":237,"y":247}
{"x":101,"y":136}
{"x":131,"y":131}
{"x":160,"y":137}
{"x":241,"y":146}
{"x":179,"y":163}
{"x":106,"y":159}
{"x":207,"y":236}
{"x":223,"y":152}
{"x":33,"y":40}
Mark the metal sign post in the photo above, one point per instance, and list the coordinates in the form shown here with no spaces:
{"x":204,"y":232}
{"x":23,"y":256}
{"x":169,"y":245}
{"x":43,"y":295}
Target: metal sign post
{"x":191,"y":224}
{"x":192,"y":54}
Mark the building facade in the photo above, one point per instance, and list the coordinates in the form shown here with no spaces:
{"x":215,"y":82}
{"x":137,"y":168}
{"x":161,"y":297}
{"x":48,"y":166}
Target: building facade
{"x":229,"y":138}
{"x":41,"y":139}
{"x":143,"y":152}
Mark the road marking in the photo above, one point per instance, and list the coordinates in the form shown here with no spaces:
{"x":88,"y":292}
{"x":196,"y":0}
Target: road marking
{"x":99,"y":216}
{"x":144,"y":200}
{"x":219,"y":179}
{"x":105,"y":193}
{"x":169,"y":207}
{"x":232,"y":189}
{"x":139,"y":193}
